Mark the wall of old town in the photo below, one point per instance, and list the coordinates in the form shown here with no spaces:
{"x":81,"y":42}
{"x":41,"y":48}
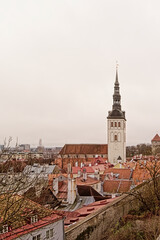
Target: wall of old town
{"x":97,"y":225}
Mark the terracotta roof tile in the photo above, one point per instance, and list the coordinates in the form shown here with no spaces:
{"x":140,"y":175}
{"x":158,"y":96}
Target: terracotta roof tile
{"x":156,"y":138}
{"x":84,"y":149}
{"x":88,"y":169}
{"x":89,"y":181}
{"x":123,"y":173}
{"x":116,"y":186}
{"x":19,"y":220}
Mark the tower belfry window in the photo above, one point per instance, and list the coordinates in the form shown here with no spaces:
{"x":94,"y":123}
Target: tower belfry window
{"x":115,"y":137}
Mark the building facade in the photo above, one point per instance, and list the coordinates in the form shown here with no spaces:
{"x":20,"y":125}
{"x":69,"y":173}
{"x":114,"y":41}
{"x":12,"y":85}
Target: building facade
{"x":116,"y":128}
{"x":155,"y":144}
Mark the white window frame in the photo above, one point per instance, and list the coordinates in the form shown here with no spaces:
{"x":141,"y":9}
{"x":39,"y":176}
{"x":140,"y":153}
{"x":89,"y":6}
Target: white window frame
{"x":49,"y":233}
{"x":4,"y":229}
{"x":34,"y":219}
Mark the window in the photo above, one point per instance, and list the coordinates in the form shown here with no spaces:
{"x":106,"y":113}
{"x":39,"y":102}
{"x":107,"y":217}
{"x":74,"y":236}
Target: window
{"x":34,"y":219}
{"x":37,"y":237}
{"x":119,"y":124}
{"x":49,"y":233}
{"x":111,"y":124}
{"x":115,"y":124}
{"x":4,"y":229}
{"x":115,"y":137}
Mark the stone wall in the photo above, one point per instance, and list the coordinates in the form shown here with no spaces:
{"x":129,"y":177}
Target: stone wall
{"x":97,"y":225}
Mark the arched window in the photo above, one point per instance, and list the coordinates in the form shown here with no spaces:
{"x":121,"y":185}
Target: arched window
{"x":119,"y":124}
{"x":111,"y":124}
{"x":115,"y":137}
{"x":115,"y":124}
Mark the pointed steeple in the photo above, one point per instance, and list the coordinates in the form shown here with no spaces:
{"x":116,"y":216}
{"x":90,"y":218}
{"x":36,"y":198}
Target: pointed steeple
{"x":116,"y":95}
{"x":116,"y":107}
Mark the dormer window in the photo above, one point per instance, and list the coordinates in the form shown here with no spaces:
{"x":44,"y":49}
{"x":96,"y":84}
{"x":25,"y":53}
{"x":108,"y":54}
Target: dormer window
{"x":4,"y":229}
{"x":34,"y":219}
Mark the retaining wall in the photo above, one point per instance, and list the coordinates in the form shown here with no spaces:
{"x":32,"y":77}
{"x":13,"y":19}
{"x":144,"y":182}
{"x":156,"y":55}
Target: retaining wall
{"x":97,"y":225}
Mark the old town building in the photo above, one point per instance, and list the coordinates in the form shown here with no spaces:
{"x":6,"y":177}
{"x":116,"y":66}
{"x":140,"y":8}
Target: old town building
{"x":116,"y":128}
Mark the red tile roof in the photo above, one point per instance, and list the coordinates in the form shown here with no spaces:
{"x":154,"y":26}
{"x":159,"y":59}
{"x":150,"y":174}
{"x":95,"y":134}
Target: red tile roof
{"x":99,"y":167}
{"x":124,"y":173}
{"x":18,"y":219}
{"x":88,"y":169}
{"x":63,"y":190}
{"x":156,"y":138}
{"x":89,"y":181}
{"x":116,"y":186}
{"x":84,"y":149}
{"x":16,"y":233}
{"x":71,"y":217}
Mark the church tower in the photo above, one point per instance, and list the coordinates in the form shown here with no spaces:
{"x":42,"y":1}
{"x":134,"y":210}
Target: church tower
{"x":116,"y":128}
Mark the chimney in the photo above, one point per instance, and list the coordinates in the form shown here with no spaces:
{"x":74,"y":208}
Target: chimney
{"x":69,"y":168}
{"x":72,"y":190}
{"x":79,"y":173}
{"x":84,"y":175}
{"x":55,"y":186}
{"x":96,"y":174}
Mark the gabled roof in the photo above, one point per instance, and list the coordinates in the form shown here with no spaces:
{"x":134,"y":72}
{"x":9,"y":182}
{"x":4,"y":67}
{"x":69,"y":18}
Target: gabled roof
{"x":156,"y":138}
{"x":84,"y":149}
{"x":29,"y":228}
{"x":19,"y":212}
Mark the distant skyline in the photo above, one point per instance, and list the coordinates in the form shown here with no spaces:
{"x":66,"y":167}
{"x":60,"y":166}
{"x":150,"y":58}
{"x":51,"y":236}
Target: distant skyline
{"x":58,"y":63}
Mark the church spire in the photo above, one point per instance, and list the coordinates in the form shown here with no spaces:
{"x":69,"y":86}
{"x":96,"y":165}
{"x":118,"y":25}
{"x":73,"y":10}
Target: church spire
{"x":117,"y":73}
{"x":116,"y":95}
{"x":116,"y":112}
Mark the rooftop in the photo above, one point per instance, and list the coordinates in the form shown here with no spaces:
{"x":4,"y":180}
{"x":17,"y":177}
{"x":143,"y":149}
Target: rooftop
{"x":84,"y":149}
{"x":16,"y":211}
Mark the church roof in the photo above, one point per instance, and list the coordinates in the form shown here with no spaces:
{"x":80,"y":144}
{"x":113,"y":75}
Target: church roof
{"x":84,"y":149}
{"x":116,"y":114}
{"x":156,"y":138}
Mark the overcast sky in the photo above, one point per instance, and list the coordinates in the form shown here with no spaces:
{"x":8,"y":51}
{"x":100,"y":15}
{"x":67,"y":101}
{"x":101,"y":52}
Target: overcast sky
{"x":57,"y":69}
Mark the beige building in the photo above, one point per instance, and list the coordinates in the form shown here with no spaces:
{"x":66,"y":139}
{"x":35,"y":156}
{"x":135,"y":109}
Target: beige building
{"x":156,"y":144}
